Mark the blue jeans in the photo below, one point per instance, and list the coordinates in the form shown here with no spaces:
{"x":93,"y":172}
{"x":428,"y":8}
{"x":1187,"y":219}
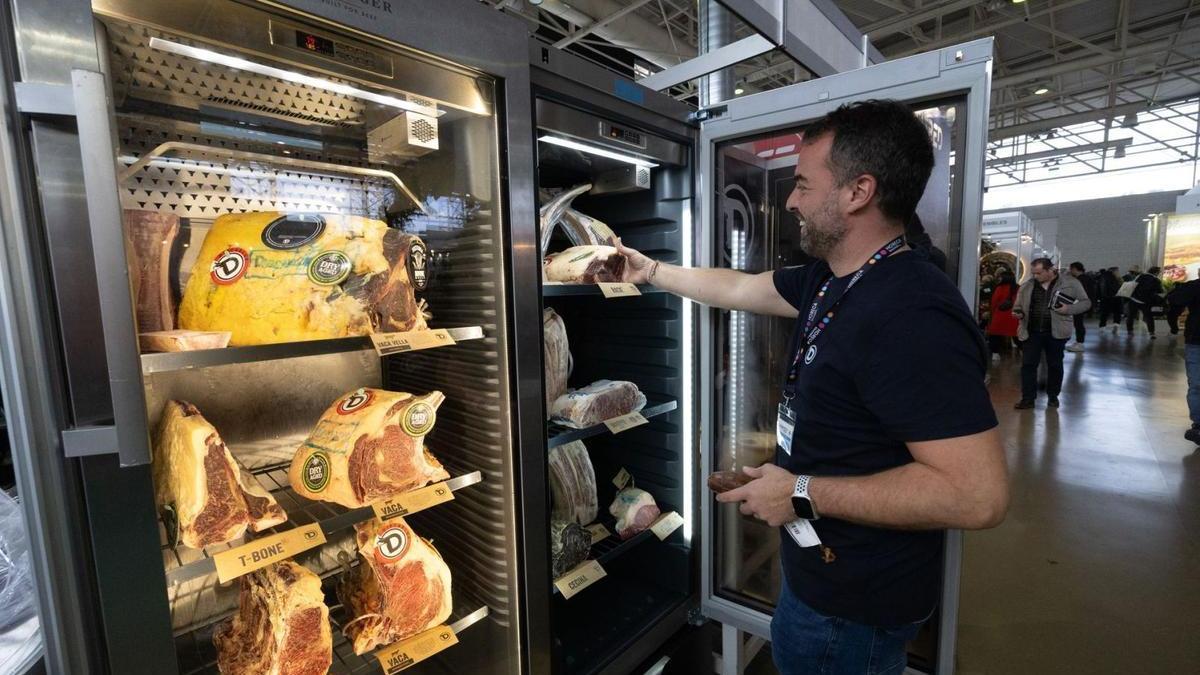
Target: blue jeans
{"x":1191,"y":357}
{"x":806,"y":642}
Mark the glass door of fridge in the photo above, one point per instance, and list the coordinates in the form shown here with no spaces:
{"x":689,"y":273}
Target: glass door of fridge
{"x":748,"y":154}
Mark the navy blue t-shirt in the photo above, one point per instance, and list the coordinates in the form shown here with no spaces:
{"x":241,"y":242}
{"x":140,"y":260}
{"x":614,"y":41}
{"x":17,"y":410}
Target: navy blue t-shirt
{"x":902,"y":360}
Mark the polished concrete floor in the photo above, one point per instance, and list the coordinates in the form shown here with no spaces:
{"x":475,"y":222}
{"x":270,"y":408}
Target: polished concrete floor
{"x":1097,"y":567}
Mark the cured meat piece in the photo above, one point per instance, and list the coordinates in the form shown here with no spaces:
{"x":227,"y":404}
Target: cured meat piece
{"x":724,"y":481}
{"x":367,"y":447}
{"x":634,"y":510}
{"x":557,"y":355}
{"x":181,"y":340}
{"x":580,"y":229}
{"x":152,"y":234}
{"x":584,"y":265}
{"x":569,"y":546}
{"x":281,"y":626}
{"x":599,"y":401}
{"x":401,"y":587}
{"x":572,"y":484}
{"x":210,"y":497}
{"x":274,"y":277}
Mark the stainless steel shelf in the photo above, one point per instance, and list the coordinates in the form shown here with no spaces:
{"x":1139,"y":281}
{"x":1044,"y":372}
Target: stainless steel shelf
{"x":205,"y":358}
{"x":557,"y":290}
{"x":560,"y":435}
{"x":346,"y":662}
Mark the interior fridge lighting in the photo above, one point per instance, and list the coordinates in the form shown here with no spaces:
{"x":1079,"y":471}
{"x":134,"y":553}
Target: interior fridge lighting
{"x":289,"y":76}
{"x":599,"y":152}
{"x":688,"y":366}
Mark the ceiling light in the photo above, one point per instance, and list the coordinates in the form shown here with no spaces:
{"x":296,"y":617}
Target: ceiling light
{"x":739,"y":88}
{"x":1042,"y":90}
{"x":1151,"y":215}
{"x":1120,"y":152}
{"x":600,"y":152}
{"x":289,"y":76}
{"x":1130,"y":120}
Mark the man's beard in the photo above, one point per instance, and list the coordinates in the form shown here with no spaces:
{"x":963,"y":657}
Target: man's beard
{"x":821,"y":232}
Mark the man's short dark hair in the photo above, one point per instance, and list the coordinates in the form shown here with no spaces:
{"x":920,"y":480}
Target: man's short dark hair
{"x":1044,"y":263}
{"x":882,"y":138}
{"x":1153,"y":271}
{"x":1077,"y":266}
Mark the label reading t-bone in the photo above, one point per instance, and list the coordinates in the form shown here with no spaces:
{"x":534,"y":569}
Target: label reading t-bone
{"x":261,"y":552}
{"x":410,"y":341}
{"x":412,"y":501}
{"x":625,"y":422}
{"x":615,"y":290}
{"x":586,"y":574}
{"x":396,"y":657}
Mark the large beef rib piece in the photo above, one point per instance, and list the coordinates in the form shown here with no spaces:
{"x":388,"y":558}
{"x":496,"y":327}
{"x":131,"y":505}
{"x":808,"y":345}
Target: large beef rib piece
{"x":572,"y":484}
{"x":634,"y":510}
{"x":584,"y":265}
{"x":276,"y":277}
{"x":368,"y":446}
{"x":599,"y":401}
{"x":556,"y":352}
{"x":207,"y":495}
{"x":281,"y":626}
{"x":400,"y":588}
{"x":152,"y":235}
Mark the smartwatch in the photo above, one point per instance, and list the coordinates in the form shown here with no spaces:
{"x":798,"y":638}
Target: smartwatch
{"x":801,"y":503}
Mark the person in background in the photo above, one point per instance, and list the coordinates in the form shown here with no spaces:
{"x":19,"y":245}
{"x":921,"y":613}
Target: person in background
{"x":1173,"y":310}
{"x":1045,"y":305}
{"x":920,"y":242}
{"x":1077,"y":271}
{"x":1002,"y":327}
{"x":1147,"y":294}
{"x":1110,"y":302}
{"x":1187,"y":296}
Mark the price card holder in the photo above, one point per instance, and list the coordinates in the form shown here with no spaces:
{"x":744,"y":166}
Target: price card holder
{"x":413,"y":501}
{"x":625,"y":422}
{"x":622,"y":479}
{"x":586,"y":574}
{"x":665,"y":524}
{"x":611,"y":290}
{"x":396,"y":657}
{"x":261,"y":552}
{"x":410,"y":341}
{"x":598,"y":531}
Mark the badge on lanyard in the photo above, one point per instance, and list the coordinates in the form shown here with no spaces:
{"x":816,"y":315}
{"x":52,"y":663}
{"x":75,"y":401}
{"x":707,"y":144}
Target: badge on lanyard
{"x":785,"y":426}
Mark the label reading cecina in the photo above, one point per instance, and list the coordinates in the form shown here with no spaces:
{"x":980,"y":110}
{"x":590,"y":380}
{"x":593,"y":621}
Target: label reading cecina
{"x":586,"y":574}
{"x":412,"y":501}
{"x":261,"y":552}
{"x":396,"y":657}
{"x":410,"y":341}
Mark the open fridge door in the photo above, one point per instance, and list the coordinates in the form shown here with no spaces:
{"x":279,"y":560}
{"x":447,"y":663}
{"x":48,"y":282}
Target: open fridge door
{"x":747,"y":156}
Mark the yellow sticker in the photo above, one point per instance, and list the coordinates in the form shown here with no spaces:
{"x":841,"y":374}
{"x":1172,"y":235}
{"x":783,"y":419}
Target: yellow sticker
{"x":665,"y":524}
{"x":625,"y":422}
{"x":599,"y":532}
{"x":621,"y":479}
{"x":418,"y":419}
{"x":410,"y":341}
{"x":622,"y":290}
{"x":412,"y":501}
{"x":586,"y":574}
{"x":398,"y":656}
{"x":261,"y":552}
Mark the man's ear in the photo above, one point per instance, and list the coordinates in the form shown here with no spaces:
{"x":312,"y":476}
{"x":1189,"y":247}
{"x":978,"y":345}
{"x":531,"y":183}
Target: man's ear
{"x":860,"y":193}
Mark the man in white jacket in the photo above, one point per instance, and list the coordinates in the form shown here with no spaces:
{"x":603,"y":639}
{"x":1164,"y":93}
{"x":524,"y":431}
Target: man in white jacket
{"x":1046,"y":306}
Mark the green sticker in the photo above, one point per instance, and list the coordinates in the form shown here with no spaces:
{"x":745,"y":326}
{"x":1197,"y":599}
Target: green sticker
{"x":316,"y":472}
{"x":329,"y":268}
{"x":418,"y":419}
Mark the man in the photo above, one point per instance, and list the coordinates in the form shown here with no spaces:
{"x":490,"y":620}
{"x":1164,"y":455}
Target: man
{"x":1187,"y":296}
{"x":1045,"y":305}
{"x":1173,"y":311}
{"x":1110,"y":302}
{"x":1077,"y":271}
{"x":1146,"y":295}
{"x":886,"y":435}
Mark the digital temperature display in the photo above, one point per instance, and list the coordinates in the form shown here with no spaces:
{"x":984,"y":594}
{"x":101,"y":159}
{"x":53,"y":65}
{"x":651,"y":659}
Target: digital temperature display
{"x":315,"y":43}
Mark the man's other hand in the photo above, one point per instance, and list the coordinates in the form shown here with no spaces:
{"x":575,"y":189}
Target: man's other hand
{"x":637,"y":266}
{"x":768,"y":497}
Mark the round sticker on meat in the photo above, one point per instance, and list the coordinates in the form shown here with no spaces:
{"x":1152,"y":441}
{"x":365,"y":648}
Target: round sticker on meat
{"x":316,"y":472}
{"x":418,"y":419}
{"x":391,"y":544}
{"x":355,"y":401}
{"x":229,"y":266}
{"x":330,"y":268}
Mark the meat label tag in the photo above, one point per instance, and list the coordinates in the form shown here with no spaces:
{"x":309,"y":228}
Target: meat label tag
{"x":665,"y":524}
{"x":412,"y":501}
{"x":410,"y":341}
{"x":263,"y":551}
{"x":625,"y":422}
{"x":599,"y":532}
{"x":611,"y":290}
{"x":621,"y":479}
{"x":586,"y":574}
{"x":396,"y":657}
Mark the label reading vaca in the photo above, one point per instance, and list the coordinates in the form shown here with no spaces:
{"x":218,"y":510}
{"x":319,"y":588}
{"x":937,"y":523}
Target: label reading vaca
{"x":410,"y":341}
{"x":625,"y":422}
{"x":412,"y":501}
{"x":396,"y":657}
{"x":586,"y":574}
{"x":261,"y":552}
{"x":618,"y":290}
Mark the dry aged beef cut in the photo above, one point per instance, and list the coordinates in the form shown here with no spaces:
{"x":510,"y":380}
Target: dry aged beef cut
{"x":152,"y":234}
{"x":557,"y":355}
{"x":281,"y":626}
{"x":572,"y":483}
{"x":400,"y":588}
{"x":724,"y":481}
{"x":579,"y":228}
{"x":599,"y":401}
{"x":584,"y":265}
{"x":276,"y":277}
{"x":367,"y":447}
{"x":570,"y":544}
{"x":634,"y":510}
{"x":207,"y":497}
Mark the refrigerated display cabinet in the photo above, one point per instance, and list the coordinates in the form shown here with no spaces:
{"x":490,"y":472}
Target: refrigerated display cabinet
{"x":131,"y":114}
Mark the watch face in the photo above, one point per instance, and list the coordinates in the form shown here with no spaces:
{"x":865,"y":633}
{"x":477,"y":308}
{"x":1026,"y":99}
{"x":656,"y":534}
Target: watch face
{"x":803,"y":508}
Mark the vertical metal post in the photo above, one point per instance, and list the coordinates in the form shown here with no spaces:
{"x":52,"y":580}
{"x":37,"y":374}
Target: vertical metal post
{"x":866,"y":51}
{"x":716,"y":31}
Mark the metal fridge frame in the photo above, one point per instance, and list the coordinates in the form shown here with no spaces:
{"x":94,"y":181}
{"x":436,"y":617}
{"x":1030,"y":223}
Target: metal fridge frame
{"x":960,"y":70}
{"x":105,"y":609}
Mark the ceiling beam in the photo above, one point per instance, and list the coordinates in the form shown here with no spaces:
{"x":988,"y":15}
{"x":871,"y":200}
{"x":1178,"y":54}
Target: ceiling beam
{"x":599,"y":23}
{"x":898,"y":24}
{"x":1059,"y":152}
{"x":1152,"y":47}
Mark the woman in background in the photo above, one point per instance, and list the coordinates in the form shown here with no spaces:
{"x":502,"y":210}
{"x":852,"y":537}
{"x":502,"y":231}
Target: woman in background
{"x":1002,"y":327}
